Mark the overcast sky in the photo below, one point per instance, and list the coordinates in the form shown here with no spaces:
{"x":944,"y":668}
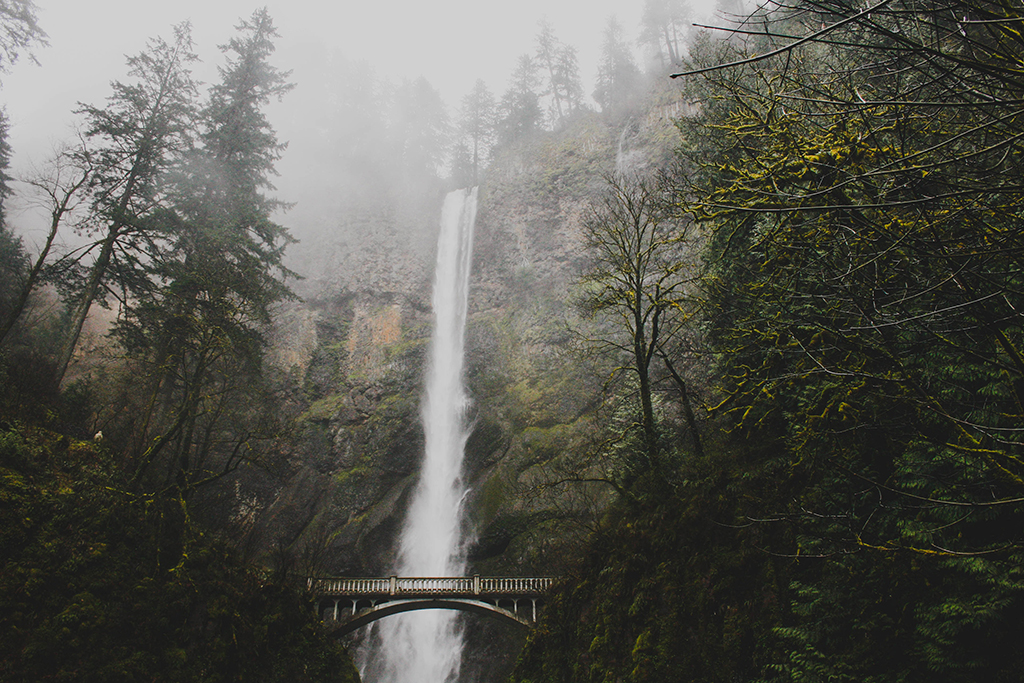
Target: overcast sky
{"x":449,"y":42}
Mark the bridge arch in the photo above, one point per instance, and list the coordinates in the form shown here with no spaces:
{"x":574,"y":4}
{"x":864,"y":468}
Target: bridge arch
{"x":387,"y":609}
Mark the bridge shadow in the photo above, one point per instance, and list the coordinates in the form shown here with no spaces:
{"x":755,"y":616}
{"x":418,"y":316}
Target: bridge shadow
{"x":343,"y":626}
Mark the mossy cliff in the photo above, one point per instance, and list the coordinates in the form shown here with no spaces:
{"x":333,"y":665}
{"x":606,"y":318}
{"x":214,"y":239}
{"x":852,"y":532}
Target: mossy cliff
{"x":353,"y":353}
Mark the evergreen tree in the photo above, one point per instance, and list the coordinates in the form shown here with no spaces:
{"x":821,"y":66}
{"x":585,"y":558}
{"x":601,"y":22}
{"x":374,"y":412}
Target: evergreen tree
{"x":19,"y":30}
{"x":5,"y":164}
{"x":477,"y":125}
{"x":132,"y":141}
{"x":13,"y":260}
{"x":561,"y":67}
{"x":420,"y":128}
{"x":566,"y":78}
{"x":663,"y":28}
{"x":219,"y":273}
{"x":519,"y":112}
{"x":618,"y":78}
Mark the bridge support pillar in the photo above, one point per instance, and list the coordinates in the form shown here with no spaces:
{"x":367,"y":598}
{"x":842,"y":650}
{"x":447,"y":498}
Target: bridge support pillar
{"x":335,"y":610}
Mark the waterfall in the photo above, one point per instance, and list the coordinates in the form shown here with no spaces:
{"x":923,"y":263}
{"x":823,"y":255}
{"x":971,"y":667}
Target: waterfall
{"x":627,"y":161}
{"x":426,"y":646}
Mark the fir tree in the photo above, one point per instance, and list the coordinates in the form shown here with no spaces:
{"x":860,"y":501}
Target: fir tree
{"x":132,"y":141}
{"x":477,"y":125}
{"x":219,"y":274}
{"x":519,"y":111}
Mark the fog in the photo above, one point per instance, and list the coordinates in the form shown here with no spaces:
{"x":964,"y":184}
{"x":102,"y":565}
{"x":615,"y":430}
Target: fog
{"x":336,"y":51}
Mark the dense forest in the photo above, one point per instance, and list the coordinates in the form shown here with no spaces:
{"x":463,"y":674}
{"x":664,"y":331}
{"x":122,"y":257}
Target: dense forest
{"x":852,"y":508}
{"x":773,"y":434}
{"x":106,"y":575}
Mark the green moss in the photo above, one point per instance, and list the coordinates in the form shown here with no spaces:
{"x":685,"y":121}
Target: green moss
{"x":354,"y":474}
{"x":393,"y":415}
{"x":413,"y":343}
{"x":324,"y":409}
{"x":492,"y":497}
{"x":545,"y":444}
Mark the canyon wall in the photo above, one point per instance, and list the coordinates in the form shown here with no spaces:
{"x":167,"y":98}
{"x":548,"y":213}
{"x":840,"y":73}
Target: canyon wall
{"x":351,"y":358}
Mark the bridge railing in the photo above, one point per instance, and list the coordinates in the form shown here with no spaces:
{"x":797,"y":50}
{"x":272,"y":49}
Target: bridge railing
{"x":496,"y":584}
{"x":426,"y":585}
{"x":434,"y":585}
{"x":345,"y":586}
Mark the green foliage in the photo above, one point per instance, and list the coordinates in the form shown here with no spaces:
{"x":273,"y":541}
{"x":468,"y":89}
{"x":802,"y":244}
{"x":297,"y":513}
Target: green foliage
{"x":13,"y":269}
{"x":664,"y":592}
{"x":100,"y":585}
{"x":194,"y":328}
{"x":859,"y":519}
{"x":856,"y":282}
{"x":859,"y":260}
{"x":324,"y":409}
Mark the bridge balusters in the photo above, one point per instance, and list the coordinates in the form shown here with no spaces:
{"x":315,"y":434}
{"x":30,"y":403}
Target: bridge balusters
{"x":475,"y":585}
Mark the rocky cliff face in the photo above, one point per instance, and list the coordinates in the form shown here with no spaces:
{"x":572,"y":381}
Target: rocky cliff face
{"x":352,"y":354}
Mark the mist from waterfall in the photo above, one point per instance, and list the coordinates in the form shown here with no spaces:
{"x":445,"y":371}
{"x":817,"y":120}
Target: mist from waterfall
{"x":426,"y":646}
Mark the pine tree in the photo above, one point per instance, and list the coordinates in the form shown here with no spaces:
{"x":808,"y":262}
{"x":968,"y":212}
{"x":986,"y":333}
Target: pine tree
{"x":663,"y":28}
{"x":420,"y":128}
{"x":618,"y":78}
{"x":519,"y":112}
{"x":13,"y":259}
{"x":477,"y":125}
{"x":19,"y":30}
{"x":220,"y":273}
{"x":561,"y":67}
{"x":132,"y":141}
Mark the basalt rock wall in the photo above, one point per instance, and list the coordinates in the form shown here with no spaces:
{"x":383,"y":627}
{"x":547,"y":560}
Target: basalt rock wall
{"x":351,"y":359}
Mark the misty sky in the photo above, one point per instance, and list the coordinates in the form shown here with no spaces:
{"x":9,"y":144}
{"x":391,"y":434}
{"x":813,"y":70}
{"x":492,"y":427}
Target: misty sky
{"x":450,"y":42}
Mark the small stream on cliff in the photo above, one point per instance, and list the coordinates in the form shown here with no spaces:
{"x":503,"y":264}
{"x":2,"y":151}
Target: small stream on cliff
{"x":426,"y":646}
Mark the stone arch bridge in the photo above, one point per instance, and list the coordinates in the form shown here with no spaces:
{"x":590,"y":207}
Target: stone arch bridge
{"x":352,"y":603}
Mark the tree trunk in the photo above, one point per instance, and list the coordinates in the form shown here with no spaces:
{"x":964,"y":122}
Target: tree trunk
{"x":29,"y":284}
{"x":59,"y":209}
{"x":684,"y":395}
{"x":643,"y":364}
{"x":92,"y":287}
{"x":99,"y":269}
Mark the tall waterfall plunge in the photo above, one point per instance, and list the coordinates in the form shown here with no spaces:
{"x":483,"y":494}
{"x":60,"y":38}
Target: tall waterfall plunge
{"x":426,"y":646}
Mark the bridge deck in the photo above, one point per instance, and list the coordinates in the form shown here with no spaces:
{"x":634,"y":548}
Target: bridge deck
{"x":447,"y":586}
